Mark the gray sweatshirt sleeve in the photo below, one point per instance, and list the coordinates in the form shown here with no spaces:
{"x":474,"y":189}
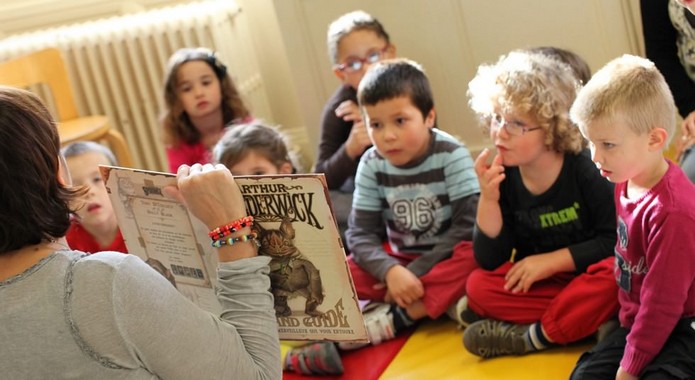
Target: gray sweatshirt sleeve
{"x":158,"y":329}
{"x":365,"y":238}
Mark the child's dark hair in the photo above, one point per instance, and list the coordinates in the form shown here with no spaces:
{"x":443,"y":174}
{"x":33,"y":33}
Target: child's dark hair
{"x":578,"y":65}
{"x":348,"y":23}
{"x":240,"y":139}
{"x":177,"y":125}
{"x":35,"y":205}
{"x":81,"y":147}
{"x":393,"y":78}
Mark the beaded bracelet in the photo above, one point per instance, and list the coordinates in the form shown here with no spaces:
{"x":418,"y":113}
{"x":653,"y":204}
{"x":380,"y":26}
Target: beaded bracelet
{"x":222,"y":231}
{"x":232,"y":240}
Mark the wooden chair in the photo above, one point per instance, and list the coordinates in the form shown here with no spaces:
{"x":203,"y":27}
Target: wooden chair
{"x":47,"y":67}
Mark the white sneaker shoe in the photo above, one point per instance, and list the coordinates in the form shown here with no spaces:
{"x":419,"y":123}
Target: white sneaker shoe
{"x":379,"y":324}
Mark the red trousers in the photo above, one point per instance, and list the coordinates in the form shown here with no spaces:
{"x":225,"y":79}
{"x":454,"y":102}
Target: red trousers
{"x":444,"y":284}
{"x":570,"y":307}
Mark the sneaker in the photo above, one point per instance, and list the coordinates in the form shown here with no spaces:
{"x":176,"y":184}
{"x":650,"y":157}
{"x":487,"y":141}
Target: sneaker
{"x":379,"y":324}
{"x":489,"y":338}
{"x":320,"y":358}
{"x":461,"y":314}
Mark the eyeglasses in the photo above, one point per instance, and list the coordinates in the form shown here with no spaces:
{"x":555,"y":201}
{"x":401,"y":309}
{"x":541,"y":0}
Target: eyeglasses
{"x":354,"y":65}
{"x":513,"y":127}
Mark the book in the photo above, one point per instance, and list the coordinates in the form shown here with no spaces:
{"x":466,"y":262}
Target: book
{"x":314,"y":294}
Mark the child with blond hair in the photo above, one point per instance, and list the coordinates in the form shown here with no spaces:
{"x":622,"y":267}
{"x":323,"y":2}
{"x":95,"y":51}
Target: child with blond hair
{"x":628,"y":113}
{"x":545,"y":222}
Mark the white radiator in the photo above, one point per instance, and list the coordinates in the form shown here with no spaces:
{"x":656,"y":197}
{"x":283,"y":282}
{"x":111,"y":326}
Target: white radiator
{"x":117,"y":65}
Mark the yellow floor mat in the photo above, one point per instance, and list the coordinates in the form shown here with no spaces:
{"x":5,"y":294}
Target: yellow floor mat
{"x":435,"y":351}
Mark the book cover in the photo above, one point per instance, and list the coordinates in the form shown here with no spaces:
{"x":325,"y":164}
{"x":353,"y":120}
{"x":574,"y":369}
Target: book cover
{"x":315,"y":297}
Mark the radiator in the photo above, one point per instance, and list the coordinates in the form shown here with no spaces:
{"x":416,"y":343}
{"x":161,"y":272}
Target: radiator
{"x":116,"y":65}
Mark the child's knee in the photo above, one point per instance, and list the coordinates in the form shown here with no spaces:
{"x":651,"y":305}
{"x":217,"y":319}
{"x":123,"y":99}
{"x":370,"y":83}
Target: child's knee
{"x":477,"y":286}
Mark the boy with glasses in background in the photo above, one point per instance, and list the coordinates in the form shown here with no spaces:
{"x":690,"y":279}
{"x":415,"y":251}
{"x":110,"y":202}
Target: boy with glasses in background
{"x":355,"y":41}
{"x":545,"y":225}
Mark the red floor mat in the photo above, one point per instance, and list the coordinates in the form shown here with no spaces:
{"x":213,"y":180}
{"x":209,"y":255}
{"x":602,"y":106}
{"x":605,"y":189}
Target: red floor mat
{"x":367,"y":363}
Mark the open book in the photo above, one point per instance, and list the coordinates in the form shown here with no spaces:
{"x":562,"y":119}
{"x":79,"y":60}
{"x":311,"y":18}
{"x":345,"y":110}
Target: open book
{"x":315,"y":297}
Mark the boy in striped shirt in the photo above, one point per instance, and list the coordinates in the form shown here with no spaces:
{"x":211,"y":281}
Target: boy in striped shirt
{"x":419,"y":183}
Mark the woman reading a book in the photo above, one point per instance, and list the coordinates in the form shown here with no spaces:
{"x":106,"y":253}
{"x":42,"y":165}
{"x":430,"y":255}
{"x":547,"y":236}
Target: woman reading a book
{"x":66,"y":314}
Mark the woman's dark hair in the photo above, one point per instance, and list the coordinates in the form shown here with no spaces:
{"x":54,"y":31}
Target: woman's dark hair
{"x":34,"y":204}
